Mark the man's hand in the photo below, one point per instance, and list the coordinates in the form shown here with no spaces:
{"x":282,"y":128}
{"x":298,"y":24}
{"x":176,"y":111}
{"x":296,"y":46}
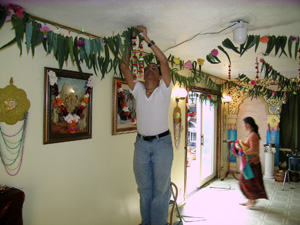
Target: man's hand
{"x":142,"y":29}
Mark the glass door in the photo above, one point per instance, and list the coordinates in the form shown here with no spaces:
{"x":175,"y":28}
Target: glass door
{"x":201,"y":148}
{"x":208,"y":143}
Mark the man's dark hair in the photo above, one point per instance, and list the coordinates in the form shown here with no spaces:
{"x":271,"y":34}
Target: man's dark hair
{"x":159,"y":71}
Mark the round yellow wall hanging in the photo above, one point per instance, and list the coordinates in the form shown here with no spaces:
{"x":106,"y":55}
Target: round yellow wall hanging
{"x":13,"y":104}
{"x":273,"y":121}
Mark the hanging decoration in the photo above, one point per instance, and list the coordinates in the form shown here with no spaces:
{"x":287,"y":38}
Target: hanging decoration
{"x":135,"y":61}
{"x":289,"y":46}
{"x":299,"y":71}
{"x":255,"y":83}
{"x":13,"y":104}
{"x":257,"y":71}
{"x":188,"y":64}
{"x":70,"y":117}
{"x":177,"y":125}
{"x":273,"y":129}
{"x":212,"y":57}
{"x":272,"y":41}
{"x":11,"y":152}
{"x":104,"y":54}
{"x":141,"y":59}
{"x":229,"y":79}
{"x":137,"y":58}
{"x":14,"y":107}
{"x":273,"y":121}
{"x":197,"y":75}
{"x":239,"y":86}
{"x":200,"y":63}
{"x":205,"y":96}
{"x":121,"y":97}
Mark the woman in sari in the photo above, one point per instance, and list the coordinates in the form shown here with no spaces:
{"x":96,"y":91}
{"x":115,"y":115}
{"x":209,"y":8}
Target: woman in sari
{"x":252,"y":188}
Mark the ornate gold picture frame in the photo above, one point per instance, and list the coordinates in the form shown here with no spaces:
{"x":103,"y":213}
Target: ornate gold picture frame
{"x":72,"y":87}
{"x":124,"y":110}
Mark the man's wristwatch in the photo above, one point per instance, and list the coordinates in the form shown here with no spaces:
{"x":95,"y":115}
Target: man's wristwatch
{"x":151,"y":43}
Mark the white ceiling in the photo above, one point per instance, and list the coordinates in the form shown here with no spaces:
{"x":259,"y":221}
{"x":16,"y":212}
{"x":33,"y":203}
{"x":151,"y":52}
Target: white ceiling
{"x":171,"y":22}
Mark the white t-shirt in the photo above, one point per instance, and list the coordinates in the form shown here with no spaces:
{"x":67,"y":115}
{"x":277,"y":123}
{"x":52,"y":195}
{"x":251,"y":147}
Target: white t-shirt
{"x":152,"y":113}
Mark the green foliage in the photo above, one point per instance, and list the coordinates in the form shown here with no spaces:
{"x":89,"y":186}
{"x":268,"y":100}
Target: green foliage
{"x":212,"y":59}
{"x":228,"y":44}
{"x":222,"y":49}
{"x":29,"y":29}
{"x":19,"y":27}
{"x":196,"y":78}
{"x":3,"y":15}
{"x":251,"y":41}
{"x":105,"y":54}
{"x":286,"y":87}
{"x":93,"y":53}
{"x":276,"y":43}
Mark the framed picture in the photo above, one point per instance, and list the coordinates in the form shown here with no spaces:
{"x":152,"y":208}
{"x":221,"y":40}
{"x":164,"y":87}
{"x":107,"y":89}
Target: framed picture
{"x":68,"y":106}
{"x":124,"y":110}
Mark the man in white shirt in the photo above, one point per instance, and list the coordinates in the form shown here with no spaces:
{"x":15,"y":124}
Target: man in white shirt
{"x":153,"y":156}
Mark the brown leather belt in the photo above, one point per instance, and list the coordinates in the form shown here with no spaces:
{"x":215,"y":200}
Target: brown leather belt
{"x":150,"y":138}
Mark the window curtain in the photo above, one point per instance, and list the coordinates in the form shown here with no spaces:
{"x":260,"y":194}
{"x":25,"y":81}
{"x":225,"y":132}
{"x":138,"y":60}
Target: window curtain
{"x":290,"y":124}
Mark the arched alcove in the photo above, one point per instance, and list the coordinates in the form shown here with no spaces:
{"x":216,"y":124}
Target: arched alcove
{"x":257,"y":109}
{"x":234,"y":106}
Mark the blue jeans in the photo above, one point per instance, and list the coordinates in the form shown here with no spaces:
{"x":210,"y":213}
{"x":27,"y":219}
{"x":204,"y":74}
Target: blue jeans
{"x":152,"y":168}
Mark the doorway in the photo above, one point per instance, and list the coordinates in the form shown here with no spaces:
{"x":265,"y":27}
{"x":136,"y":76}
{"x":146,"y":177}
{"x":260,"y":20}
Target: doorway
{"x":201,"y":154}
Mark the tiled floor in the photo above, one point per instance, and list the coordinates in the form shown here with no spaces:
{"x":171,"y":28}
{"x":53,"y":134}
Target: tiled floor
{"x":218,"y":204}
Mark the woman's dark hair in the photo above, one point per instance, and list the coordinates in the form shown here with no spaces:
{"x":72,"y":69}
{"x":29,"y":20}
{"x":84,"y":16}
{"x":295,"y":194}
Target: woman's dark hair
{"x":252,"y":123}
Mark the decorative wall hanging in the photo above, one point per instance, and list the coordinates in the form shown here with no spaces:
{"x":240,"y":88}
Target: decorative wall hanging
{"x":229,"y":79}
{"x":14,"y":107}
{"x":124,"y":109}
{"x":177,"y":125}
{"x":13,"y":104}
{"x":180,"y":94}
{"x":68,"y":105}
{"x":12,"y":148}
{"x":273,"y":121}
{"x":289,"y":46}
{"x":104,"y":54}
{"x":138,"y":60}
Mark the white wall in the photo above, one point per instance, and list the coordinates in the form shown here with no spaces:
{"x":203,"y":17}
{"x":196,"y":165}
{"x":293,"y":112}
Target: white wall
{"x":79,"y":182}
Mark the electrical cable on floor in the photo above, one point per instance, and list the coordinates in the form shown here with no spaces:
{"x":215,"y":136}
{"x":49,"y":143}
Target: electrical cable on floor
{"x":193,"y":218}
{"x":189,"y":39}
{"x":229,"y":188}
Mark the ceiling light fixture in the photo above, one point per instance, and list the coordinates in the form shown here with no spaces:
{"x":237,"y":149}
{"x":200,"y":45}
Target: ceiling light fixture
{"x":240,"y":28}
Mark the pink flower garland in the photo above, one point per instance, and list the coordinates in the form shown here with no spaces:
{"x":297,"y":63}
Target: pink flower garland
{"x":138,"y":62}
{"x":45,"y":30}
{"x":14,"y":9}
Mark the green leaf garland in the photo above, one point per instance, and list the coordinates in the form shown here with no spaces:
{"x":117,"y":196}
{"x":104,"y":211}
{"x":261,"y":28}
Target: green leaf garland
{"x":3,"y":15}
{"x":29,"y":29}
{"x":105,"y":54}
